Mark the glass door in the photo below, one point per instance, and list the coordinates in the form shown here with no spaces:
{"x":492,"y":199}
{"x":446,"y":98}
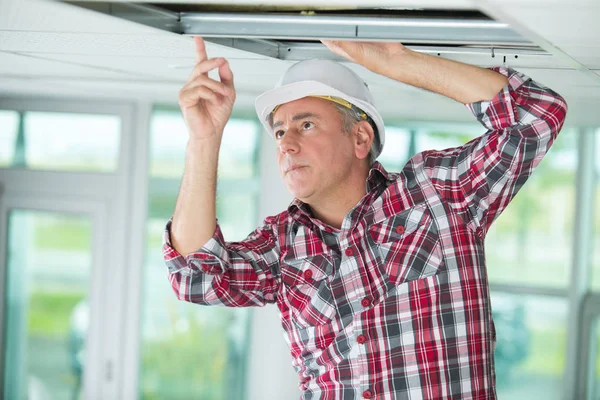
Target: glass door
{"x":49,"y":260}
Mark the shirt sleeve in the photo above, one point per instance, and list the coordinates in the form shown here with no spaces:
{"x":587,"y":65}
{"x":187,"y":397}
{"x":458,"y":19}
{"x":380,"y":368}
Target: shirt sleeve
{"x":479,"y":179}
{"x":232,"y":274}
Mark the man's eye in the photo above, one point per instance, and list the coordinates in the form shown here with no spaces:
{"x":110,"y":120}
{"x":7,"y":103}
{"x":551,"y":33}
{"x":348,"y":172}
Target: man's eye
{"x":308,"y":125}
{"x":279,"y":134}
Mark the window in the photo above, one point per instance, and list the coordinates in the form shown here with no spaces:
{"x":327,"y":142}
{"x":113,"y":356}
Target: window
{"x":49,"y":267}
{"x":211,"y":342}
{"x":57,"y":141}
{"x":444,"y":137}
{"x":531,"y":334}
{"x":530,"y":243}
{"x":401,"y":143}
{"x":396,"y":150}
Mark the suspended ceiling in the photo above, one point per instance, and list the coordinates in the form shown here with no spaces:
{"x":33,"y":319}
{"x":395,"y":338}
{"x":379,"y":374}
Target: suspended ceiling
{"x":50,"y":48}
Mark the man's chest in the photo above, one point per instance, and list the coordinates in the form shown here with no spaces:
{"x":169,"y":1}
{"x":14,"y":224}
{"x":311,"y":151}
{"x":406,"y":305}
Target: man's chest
{"x":332,"y":276}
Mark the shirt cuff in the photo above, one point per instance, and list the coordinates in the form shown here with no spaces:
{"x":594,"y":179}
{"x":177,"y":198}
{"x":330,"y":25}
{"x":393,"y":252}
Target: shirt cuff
{"x":207,"y":259}
{"x":501,"y":111}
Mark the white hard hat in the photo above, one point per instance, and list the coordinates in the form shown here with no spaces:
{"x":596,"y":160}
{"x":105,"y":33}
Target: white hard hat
{"x":320,"y":78}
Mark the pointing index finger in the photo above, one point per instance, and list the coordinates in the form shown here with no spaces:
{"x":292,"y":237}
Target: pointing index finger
{"x":200,"y":49}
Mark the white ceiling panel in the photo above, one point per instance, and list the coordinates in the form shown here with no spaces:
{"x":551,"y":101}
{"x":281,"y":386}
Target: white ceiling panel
{"x":561,"y":24}
{"x":110,"y":44}
{"x":139,"y":68}
{"x":51,"y":48}
{"x":173,"y":69}
{"x":588,"y":55}
{"x":571,"y":28}
{"x":53,"y":16}
{"x":570,"y":84}
{"x":16,"y":65}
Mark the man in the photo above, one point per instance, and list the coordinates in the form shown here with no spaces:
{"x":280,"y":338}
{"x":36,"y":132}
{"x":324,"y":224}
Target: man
{"x":379,"y":277}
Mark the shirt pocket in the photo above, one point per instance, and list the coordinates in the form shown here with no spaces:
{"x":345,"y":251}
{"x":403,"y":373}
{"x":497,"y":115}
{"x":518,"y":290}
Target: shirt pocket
{"x":408,"y":245}
{"x":307,"y":289}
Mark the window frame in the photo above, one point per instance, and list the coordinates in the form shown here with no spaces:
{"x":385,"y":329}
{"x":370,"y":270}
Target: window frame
{"x":116,"y":190}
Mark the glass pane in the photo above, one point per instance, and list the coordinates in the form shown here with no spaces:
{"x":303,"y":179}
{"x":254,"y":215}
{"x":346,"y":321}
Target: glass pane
{"x":237,"y":215}
{"x":169,"y":137}
{"x":530,"y":243}
{"x":72,"y":142}
{"x":49,"y":265}
{"x":396,"y":148}
{"x":237,"y":159}
{"x":531,"y":336}
{"x":403,"y":143}
{"x":440,"y":139}
{"x":9,"y":124}
{"x":210,"y":342}
{"x":596,"y":227}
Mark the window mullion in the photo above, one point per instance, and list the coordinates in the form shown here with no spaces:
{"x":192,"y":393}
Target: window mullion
{"x":580,"y":271}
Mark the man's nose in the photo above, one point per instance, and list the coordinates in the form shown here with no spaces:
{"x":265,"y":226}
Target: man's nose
{"x":288,"y":144}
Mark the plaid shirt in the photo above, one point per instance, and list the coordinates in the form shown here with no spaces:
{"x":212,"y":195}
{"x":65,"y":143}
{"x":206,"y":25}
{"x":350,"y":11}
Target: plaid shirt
{"x":395,"y":304}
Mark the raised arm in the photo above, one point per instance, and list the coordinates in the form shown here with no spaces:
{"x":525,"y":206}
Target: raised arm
{"x":462,"y":82}
{"x":204,"y":268}
{"x":206,"y":106}
{"x":522,"y":117}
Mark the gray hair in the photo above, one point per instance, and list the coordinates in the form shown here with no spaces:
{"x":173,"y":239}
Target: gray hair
{"x":351,"y":117}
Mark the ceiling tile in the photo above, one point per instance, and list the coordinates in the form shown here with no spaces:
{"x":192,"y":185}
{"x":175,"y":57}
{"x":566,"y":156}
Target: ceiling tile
{"x":54,"y":16}
{"x":12,"y":65}
{"x":110,"y":44}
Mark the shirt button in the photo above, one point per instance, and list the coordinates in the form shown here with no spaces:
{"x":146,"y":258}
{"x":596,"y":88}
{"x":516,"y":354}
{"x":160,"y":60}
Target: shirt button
{"x":366,"y":302}
{"x":349,"y":252}
{"x":361,"y":339}
{"x":400,"y":229}
{"x":308,"y":274}
{"x":367,"y":394}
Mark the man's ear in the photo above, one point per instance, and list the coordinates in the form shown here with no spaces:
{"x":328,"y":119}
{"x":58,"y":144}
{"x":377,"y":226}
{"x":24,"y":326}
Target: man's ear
{"x":363,"y":139}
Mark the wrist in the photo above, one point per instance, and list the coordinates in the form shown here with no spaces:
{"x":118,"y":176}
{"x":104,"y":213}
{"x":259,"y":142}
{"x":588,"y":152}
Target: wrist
{"x":204,"y":143}
{"x":399,"y":65}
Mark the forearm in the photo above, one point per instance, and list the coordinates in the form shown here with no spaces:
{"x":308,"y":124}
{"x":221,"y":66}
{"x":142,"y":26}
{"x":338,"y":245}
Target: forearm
{"x":462,"y":82}
{"x":194,"y":219}
{"x":232,"y":274}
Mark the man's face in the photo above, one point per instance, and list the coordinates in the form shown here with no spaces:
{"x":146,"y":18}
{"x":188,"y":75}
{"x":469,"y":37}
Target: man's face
{"x":314,"y":154}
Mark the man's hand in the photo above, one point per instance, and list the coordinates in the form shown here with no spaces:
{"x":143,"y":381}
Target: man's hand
{"x":372,"y":55}
{"x":206,"y":103}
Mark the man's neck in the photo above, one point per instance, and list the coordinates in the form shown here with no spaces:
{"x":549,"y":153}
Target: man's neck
{"x":335,"y":207}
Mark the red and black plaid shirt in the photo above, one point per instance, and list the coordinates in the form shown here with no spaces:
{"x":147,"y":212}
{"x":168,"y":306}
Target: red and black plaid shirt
{"x":395,"y":304}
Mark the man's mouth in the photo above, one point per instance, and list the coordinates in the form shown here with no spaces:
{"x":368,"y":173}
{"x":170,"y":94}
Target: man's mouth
{"x":293,"y":168}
